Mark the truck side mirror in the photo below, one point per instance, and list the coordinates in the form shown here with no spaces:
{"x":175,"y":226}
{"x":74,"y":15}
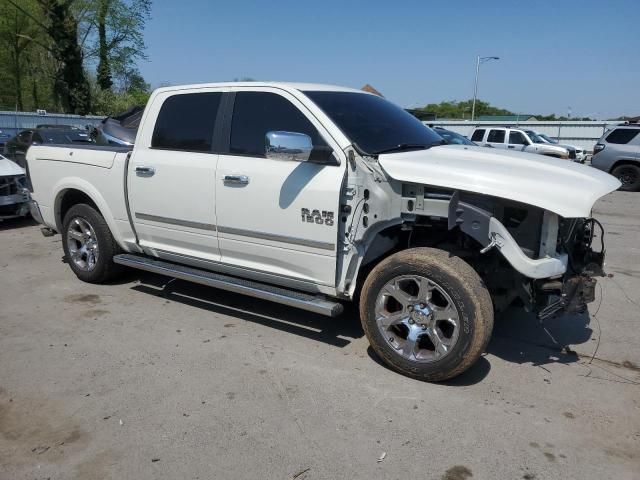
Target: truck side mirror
{"x":296,"y":147}
{"x":288,"y":146}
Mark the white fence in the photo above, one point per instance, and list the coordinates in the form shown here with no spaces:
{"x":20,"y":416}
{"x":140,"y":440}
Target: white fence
{"x":580,"y":133}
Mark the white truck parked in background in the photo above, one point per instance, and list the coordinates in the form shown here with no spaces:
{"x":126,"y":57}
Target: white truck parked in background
{"x":510,"y":138}
{"x":311,"y":195}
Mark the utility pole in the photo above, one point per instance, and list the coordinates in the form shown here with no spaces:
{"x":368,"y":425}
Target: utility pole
{"x":479,"y":60}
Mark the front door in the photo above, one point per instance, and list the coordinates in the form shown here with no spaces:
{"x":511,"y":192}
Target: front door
{"x":517,"y":141}
{"x":172,"y":177}
{"x":277,"y":217}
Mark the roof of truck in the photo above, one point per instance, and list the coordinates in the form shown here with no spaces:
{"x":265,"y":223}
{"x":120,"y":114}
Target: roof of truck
{"x":283,"y":85}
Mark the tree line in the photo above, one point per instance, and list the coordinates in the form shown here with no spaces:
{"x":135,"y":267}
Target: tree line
{"x":462,"y":110}
{"x":72,"y":56}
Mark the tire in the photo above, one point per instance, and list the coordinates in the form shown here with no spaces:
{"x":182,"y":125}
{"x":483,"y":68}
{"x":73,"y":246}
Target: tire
{"x":84,"y":225}
{"x":427,"y":314}
{"x":629,"y":176}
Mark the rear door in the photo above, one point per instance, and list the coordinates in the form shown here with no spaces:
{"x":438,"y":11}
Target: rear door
{"x":496,"y":138}
{"x":171,"y":177}
{"x":274,"y":216}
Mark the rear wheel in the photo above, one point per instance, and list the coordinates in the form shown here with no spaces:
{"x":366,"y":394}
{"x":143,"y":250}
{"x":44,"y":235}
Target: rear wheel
{"x":426,"y":314}
{"x":629,"y":176}
{"x":88,"y":245}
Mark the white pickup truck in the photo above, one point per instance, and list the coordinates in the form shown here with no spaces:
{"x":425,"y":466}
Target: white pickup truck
{"x":314,"y":195}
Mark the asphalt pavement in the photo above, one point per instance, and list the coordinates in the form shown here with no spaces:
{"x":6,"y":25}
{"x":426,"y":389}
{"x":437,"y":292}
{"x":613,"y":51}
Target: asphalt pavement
{"x":146,"y":379}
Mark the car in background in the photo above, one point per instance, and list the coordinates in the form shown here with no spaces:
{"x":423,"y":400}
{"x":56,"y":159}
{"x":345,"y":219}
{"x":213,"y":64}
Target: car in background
{"x":119,"y":130}
{"x":16,"y":148}
{"x":453,"y":138}
{"x":618,"y":152}
{"x":14,"y":197}
{"x":576,"y":153}
{"x":515,"y":139}
{"x":4,"y":137}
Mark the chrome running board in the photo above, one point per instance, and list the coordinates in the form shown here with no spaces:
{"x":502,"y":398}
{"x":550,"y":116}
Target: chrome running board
{"x":293,"y":298}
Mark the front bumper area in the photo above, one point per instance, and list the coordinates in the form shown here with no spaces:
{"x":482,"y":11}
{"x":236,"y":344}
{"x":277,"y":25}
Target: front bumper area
{"x":14,"y":206}
{"x":571,"y":296}
{"x":575,"y":289}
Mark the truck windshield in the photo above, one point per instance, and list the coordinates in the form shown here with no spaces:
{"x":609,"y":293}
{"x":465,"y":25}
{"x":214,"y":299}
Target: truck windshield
{"x":535,"y":138}
{"x":548,"y":138}
{"x":374,"y":124}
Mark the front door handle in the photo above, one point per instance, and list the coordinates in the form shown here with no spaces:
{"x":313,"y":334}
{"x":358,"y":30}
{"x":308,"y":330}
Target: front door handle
{"x":512,"y":146}
{"x":235,"y":180}
{"x":145,"y":171}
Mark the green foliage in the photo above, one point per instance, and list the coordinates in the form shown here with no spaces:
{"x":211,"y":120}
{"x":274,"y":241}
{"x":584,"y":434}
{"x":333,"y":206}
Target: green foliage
{"x":55,"y":53}
{"x":107,"y":102}
{"x":462,"y":110}
{"x":455,"y":109}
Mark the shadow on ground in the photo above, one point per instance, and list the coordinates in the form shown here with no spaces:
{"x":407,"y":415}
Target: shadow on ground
{"x":17,"y":223}
{"x":519,"y":337}
{"x":338,"y":332}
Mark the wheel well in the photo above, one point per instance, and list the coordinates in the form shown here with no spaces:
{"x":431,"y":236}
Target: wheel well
{"x":624,"y":162}
{"x":393,"y":239}
{"x":68,"y":199}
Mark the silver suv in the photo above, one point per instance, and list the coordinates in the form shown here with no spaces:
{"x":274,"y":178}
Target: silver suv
{"x":515,"y":139}
{"x":618,"y":152}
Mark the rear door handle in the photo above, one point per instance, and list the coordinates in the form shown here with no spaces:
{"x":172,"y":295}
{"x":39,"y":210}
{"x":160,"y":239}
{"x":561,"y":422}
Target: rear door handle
{"x":145,"y":171}
{"x":235,"y":180}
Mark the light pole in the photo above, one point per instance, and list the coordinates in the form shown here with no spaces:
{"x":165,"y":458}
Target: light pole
{"x":479,"y":60}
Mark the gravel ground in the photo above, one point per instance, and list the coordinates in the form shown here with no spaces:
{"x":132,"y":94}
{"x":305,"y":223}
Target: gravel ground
{"x":145,"y":380}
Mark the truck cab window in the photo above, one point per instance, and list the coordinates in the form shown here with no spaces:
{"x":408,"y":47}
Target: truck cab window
{"x":186,"y":122}
{"x":478,"y":135}
{"x":256,"y":113}
{"x":517,"y":138}
{"x":495,"y":136}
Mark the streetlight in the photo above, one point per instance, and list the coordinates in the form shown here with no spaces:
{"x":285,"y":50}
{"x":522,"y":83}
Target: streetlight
{"x":479,"y":60}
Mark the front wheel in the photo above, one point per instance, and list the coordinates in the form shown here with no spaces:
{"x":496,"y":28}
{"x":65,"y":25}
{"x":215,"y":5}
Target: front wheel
{"x":89,"y":245}
{"x":629,"y":176}
{"x":426,"y":313}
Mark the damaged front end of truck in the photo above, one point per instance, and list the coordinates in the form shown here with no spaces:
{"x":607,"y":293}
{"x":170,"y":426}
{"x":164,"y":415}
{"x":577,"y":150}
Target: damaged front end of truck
{"x":524,"y":223}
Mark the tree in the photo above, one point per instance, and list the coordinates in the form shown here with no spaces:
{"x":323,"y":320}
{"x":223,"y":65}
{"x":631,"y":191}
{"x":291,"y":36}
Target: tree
{"x":455,"y":109}
{"x":112,"y":33}
{"x":59,"y":28}
{"x":16,"y":30}
{"x":103,"y":71}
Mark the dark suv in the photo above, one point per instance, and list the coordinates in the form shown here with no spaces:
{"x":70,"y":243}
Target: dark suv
{"x":618,"y":152}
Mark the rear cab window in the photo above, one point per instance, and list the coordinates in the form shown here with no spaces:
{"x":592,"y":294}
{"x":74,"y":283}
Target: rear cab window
{"x":478,"y":135}
{"x":186,"y":122}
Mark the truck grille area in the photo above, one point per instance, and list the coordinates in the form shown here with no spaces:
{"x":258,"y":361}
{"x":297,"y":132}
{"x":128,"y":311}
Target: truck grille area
{"x":10,"y":185}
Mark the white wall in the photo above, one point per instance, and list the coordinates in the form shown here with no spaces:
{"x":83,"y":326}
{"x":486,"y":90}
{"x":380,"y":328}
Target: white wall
{"x":579,"y":133}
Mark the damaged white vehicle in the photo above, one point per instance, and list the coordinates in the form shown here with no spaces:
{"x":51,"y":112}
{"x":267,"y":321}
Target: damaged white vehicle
{"x":314,"y":195}
{"x":14,"y":197}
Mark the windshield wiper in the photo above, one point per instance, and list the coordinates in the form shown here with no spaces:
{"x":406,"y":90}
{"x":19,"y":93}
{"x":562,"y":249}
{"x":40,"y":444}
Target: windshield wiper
{"x":403,"y":146}
{"x":409,"y":146}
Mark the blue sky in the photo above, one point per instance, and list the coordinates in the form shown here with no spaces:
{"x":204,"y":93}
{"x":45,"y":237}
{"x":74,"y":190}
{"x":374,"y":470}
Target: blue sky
{"x":554,"y":54}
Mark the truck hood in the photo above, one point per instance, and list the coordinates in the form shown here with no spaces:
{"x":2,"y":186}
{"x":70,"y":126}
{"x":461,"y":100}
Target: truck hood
{"x":9,"y":168}
{"x":566,"y":188}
